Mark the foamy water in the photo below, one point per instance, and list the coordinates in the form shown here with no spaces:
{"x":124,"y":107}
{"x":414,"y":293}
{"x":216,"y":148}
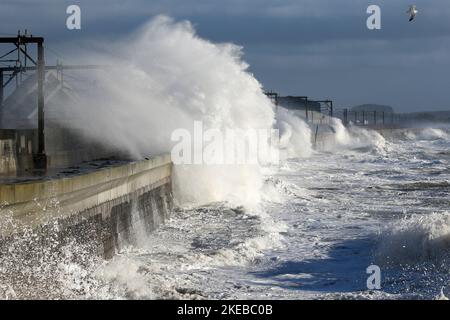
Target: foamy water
{"x":321,"y":222}
{"x":324,"y":220}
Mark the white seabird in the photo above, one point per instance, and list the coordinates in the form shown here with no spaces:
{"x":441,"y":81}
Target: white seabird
{"x":412,"y":12}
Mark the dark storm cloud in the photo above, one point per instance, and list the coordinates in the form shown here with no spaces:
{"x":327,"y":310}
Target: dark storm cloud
{"x":318,"y":48}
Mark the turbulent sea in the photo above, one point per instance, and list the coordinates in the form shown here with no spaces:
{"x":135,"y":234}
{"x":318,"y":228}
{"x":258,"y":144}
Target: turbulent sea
{"x":322,"y":221}
{"x":316,"y":222}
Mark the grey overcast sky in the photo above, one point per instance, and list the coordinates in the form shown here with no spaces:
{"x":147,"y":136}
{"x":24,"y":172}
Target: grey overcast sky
{"x":319,"y":48}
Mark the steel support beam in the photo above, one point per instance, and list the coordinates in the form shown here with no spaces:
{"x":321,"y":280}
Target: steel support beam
{"x":1,"y":87}
{"x":40,"y":88}
{"x":21,"y":39}
{"x":57,"y":67}
{"x":40,"y":158}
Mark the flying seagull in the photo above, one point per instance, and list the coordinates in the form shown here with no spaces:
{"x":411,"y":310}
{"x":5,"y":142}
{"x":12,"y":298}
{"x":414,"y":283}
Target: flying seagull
{"x":412,"y":12}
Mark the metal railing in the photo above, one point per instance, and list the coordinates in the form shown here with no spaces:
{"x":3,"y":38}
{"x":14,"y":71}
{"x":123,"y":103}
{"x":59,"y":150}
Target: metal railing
{"x":369,"y":118}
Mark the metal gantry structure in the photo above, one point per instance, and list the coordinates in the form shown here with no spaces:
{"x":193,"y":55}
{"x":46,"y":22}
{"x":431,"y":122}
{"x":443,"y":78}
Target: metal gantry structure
{"x":306,"y":106}
{"x":328,"y":104}
{"x":272,"y":96}
{"x":20,"y":43}
{"x":370,"y":118}
{"x":17,"y":62}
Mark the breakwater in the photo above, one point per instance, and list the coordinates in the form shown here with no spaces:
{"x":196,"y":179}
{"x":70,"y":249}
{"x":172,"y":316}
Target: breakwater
{"x":106,"y":203}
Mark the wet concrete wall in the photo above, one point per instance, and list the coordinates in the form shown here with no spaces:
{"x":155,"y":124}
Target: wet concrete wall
{"x":110,"y":207}
{"x":64,"y":148}
{"x":16,"y":151}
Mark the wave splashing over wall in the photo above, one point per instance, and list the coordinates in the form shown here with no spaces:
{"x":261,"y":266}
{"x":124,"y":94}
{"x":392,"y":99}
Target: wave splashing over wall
{"x":168,"y":78}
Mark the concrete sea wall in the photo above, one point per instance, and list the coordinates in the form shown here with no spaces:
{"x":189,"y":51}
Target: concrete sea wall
{"x":396,"y":133}
{"x":323,"y":134}
{"x":16,"y":151}
{"x":101,"y":206}
{"x":64,"y":148}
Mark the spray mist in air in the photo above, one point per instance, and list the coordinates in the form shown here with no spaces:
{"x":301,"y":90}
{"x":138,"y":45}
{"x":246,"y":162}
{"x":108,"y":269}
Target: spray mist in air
{"x":167,"y":79}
